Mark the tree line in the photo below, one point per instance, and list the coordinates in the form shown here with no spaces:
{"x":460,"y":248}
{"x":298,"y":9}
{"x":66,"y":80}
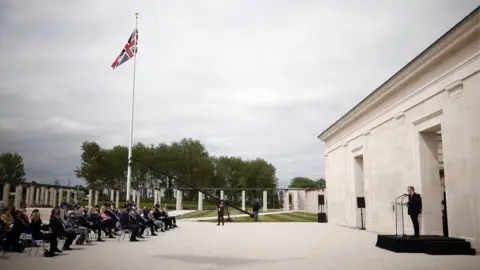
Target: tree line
{"x":187,"y":160}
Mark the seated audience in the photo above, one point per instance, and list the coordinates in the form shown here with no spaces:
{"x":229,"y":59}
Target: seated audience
{"x":127,"y":222}
{"x":41,"y":232}
{"x":58,"y":228}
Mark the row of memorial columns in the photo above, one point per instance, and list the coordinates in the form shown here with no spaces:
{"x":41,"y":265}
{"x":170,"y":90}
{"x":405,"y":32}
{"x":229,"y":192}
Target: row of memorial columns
{"x":35,"y":195}
{"x":286,"y":200}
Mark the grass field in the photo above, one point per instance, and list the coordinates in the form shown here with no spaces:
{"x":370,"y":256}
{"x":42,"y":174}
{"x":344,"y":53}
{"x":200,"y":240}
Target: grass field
{"x":283,"y":217}
{"x":213,"y":213}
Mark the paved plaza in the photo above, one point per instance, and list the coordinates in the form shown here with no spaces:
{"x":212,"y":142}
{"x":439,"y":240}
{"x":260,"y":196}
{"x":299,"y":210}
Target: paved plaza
{"x":199,"y":245}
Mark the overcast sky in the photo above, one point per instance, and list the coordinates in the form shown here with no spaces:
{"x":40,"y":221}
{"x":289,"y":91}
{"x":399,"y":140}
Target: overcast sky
{"x":247,"y":78}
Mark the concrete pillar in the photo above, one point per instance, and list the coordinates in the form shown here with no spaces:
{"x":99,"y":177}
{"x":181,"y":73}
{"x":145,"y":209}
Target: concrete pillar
{"x":96,"y":198}
{"x":53,"y":197}
{"x":138,"y":198}
{"x":112,"y":195}
{"x":90,"y":197}
{"x":69,"y":195}
{"x":6,"y":192}
{"x":43,"y":196}
{"x":37,"y":196}
{"x":221,"y":194}
{"x":295,"y":200}
{"x":32,"y":195}
{"x":117,"y":200}
{"x":286,"y":200}
{"x":179,"y":200}
{"x":155,"y":197}
{"x":18,"y":196}
{"x":27,"y":197}
{"x":60,"y":195}
{"x":75,"y":196}
{"x":265,"y":202}
{"x":200,"y":201}
{"x":160,"y":193}
{"x":133,"y":196}
{"x":46,"y":196}
{"x":243,"y":200}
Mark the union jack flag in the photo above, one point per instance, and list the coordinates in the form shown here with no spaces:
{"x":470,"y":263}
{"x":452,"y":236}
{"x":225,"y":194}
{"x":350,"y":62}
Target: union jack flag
{"x":128,"y":51}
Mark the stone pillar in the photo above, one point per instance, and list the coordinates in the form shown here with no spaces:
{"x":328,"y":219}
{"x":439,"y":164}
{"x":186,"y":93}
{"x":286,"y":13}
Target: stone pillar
{"x":155,"y":197}
{"x":60,"y":195}
{"x":18,"y":196}
{"x":37,"y":195}
{"x":295,"y":200}
{"x":243,"y":200}
{"x":160,"y":193}
{"x":221,"y":194}
{"x":32,"y":195}
{"x":6,"y":192}
{"x":69,"y":195}
{"x":286,"y":200}
{"x":265,"y":202}
{"x":75,"y":196}
{"x":96,"y":198}
{"x":200,"y":201}
{"x":117,"y":201}
{"x":112,"y":195}
{"x":43,"y":196}
{"x":90,"y":197}
{"x":53,"y":197}
{"x":46,"y":196}
{"x":179,"y":200}
{"x":133,"y":196}
{"x":27,"y":197}
{"x":138,"y":199}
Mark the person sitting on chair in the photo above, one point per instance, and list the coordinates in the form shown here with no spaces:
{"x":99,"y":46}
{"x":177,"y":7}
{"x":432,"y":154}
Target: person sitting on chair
{"x":127,"y":222}
{"x":37,"y":227}
{"x":58,"y":228}
{"x":414,"y":208}
{"x":172,"y":222}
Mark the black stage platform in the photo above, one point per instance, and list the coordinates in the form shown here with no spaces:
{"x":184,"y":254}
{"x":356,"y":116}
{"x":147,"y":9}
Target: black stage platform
{"x":429,"y":244}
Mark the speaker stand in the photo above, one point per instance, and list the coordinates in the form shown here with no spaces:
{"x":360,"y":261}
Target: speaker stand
{"x":361,"y":219}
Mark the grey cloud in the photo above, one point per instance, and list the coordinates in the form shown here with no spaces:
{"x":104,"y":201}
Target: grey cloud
{"x":248,"y":78}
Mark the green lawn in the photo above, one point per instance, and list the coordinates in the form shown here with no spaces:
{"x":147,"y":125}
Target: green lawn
{"x":283,"y":217}
{"x":213,"y":213}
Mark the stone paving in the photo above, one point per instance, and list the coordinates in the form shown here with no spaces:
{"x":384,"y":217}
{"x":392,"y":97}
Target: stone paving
{"x":195,"y":246}
{"x":238,"y":215}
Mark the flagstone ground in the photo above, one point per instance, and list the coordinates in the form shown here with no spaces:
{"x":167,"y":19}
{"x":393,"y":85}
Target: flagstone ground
{"x":198,"y":245}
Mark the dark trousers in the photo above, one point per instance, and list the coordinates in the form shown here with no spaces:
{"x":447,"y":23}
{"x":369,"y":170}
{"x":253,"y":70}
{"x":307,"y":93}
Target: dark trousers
{"x":150,"y":224}
{"x":69,"y":237}
{"x":135,"y":228}
{"x":416,"y":226}
{"x":220,"y":218}
{"x":174,"y":221}
{"x":52,"y":239}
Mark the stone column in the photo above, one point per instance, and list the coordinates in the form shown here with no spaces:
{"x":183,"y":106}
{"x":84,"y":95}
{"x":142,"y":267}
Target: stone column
{"x":54,"y":197}
{"x":179,"y":200}
{"x":45,"y":196}
{"x":295,"y":200}
{"x":75,"y":196}
{"x":69,"y":195}
{"x":18,"y":196}
{"x":265,"y":202}
{"x":42,"y":196}
{"x":133,"y":196}
{"x":37,"y":195}
{"x":60,"y":195}
{"x":90,"y":197}
{"x":27,"y":197}
{"x":112,"y":195}
{"x":221,"y":194}
{"x":117,"y":200}
{"x":243,"y":200}
{"x":138,"y":199}
{"x":96,"y":198}
{"x":160,"y":193}
{"x":6,"y":192}
{"x":32,"y":195}
{"x":155,"y":197}
{"x":200,"y":201}
{"x":286,"y":200}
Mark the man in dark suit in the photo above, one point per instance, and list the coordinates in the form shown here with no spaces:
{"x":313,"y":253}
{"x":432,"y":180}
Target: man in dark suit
{"x":220,"y":210}
{"x":58,"y":228}
{"x":414,"y":208}
{"x":128,"y":222}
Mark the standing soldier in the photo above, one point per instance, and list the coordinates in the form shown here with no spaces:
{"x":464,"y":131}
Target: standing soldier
{"x":220,"y":210}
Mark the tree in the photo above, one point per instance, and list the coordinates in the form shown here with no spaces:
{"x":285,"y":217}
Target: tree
{"x":305,"y":182}
{"x":11,"y":168}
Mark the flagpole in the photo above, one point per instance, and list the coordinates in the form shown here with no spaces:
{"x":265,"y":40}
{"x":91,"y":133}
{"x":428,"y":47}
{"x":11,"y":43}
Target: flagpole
{"x":132,"y":109}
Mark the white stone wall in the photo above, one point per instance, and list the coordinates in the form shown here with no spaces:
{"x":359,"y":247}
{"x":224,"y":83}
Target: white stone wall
{"x":394,"y":156}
